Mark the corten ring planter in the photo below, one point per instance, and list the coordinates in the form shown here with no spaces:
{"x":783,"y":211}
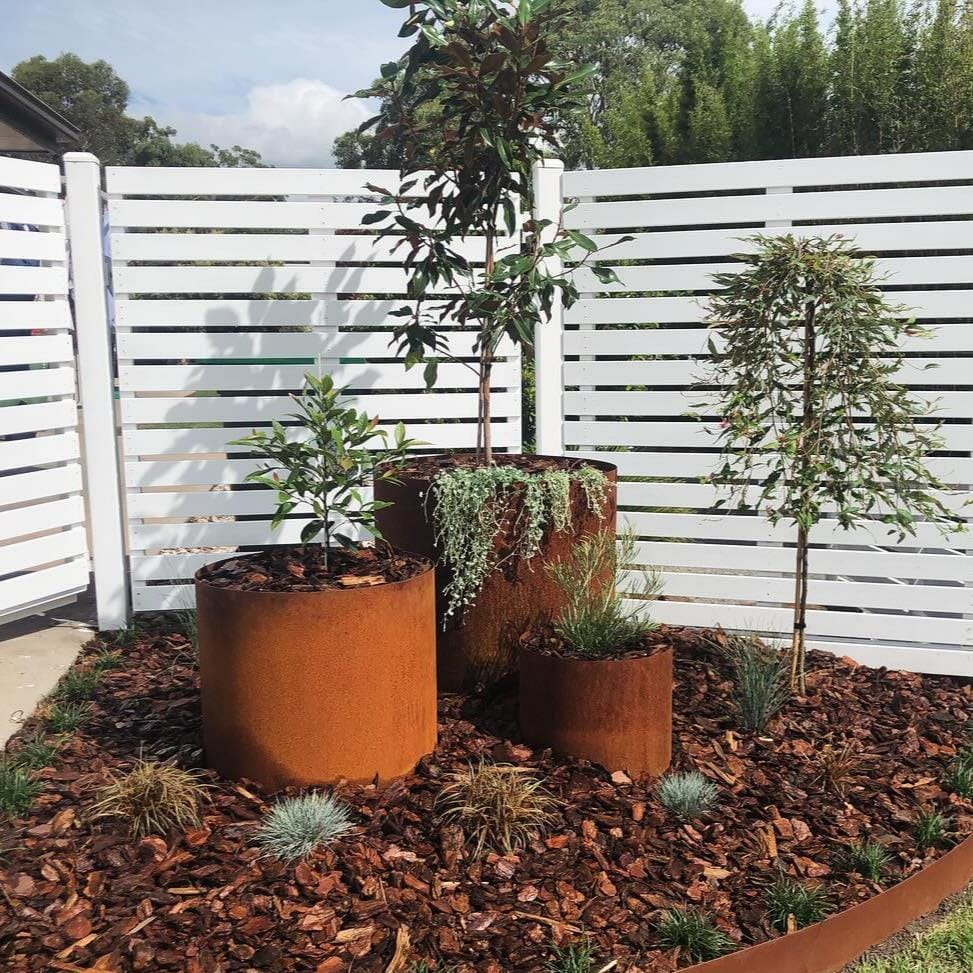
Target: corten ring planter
{"x":307,"y":687}
{"x":613,"y":712}
{"x":480,"y":646}
{"x":832,"y":944}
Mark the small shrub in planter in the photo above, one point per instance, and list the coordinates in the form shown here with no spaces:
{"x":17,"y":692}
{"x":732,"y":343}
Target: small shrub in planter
{"x":317,"y":661}
{"x":597,"y":683}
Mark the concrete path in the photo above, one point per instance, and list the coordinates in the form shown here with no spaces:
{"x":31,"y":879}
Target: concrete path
{"x":34,"y":653}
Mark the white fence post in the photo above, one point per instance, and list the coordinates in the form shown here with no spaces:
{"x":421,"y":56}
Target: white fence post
{"x":95,"y":379}
{"x":549,"y":333}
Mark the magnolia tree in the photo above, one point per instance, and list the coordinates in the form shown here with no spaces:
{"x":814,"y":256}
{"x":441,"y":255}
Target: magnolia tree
{"x":815,"y":422}
{"x":501,"y":96}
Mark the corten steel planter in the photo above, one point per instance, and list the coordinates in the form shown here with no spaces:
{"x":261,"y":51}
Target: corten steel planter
{"x":480,"y":646}
{"x":307,"y":687}
{"x":613,"y":712}
{"x":832,"y":944}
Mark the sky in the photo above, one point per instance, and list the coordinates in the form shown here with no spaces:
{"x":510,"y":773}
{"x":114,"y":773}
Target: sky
{"x":266,"y":74}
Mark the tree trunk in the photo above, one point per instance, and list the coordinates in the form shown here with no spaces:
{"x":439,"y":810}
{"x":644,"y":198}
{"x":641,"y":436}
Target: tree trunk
{"x":798,"y":646}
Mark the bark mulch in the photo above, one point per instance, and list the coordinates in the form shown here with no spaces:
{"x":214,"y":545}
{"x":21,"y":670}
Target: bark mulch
{"x":82,"y":895}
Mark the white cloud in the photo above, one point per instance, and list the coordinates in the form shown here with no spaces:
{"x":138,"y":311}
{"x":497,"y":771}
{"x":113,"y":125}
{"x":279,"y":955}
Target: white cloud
{"x":292,"y":123}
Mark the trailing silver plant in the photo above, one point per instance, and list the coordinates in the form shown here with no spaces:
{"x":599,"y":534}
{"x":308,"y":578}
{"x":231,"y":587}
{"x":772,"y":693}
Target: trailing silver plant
{"x":472,"y":505}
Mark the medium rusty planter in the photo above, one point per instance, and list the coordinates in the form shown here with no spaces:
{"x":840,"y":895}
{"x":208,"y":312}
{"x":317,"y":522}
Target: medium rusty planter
{"x":480,"y":646}
{"x":613,"y":712}
{"x":307,"y":687}
{"x":832,"y":944}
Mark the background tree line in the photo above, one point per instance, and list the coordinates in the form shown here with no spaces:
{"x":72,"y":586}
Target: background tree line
{"x":683,"y":81}
{"x":95,"y":99}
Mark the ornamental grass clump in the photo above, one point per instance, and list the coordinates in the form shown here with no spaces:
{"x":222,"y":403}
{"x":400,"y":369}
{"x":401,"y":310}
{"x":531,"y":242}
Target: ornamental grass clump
{"x":67,"y":717}
{"x":932,"y":830}
{"x":687,"y":795}
{"x":596,"y":620}
{"x":794,"y":905}
{"x":759,"y":674}
{"x":17,"y":788}
{"x":573,"y":958}
{"x":498,"y":807}
{"x":472,"y":507}
{"x":295,"y":827}
{"x":959,"y":776}
{"x":33,"y":753}
{"x":153,"y":798}
{"x":694,"y":932}
{"x":868,"y":858}
{"x":77,"y":685}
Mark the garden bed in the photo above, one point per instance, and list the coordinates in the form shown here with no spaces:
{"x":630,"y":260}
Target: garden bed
{"x":857,"y":758}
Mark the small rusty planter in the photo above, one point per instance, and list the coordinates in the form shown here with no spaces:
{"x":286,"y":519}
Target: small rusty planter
{"x":613,"y":712}
{"x":480,"y":646}
{"x":307,"y":687}
{"x":830,"y":945}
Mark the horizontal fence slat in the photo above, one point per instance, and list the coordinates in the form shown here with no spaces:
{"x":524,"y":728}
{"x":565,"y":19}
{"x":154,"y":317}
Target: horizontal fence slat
{"x":713,"y":527}
{"x":41,"y":516}
{"x":158,"y":378}
{"x":43,"y":281}
{"x":23,"y":555}
{"x":29,"y":176}
{"x":35,"y":349}
{"x":38,"y":383}
{"x":269,"y":344}
{"x":21,"y":454}
{"x":40,"y":211}
{"x":208,"y":181}
{"x":40,"y":417}
{"x":35,"y":588}
{"x":148,"y":442}
{"x":264,"y":408}
{"x":826,"y":205}
{"x":732,"y":176}
{"x":300,"y":247}
{"x":27,"y":245}
{"x":38,"y":484}
{"x":758,"y":558}
{"x":29,"y":315}
{"x":257,"y":314}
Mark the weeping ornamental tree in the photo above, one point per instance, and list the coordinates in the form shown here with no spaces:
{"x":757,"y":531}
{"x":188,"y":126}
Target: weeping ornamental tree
{"x":501,"y":96}
{"x":815,"y":422}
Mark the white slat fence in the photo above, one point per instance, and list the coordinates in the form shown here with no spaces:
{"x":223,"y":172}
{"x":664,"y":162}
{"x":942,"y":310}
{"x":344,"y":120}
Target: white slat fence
{"x":632,"y":355}
{"x":229,"y":286}
{"x":43,"y":549}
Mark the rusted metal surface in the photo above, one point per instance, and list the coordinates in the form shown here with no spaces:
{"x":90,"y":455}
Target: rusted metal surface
{"x":829,"y":946}
{"x":613,"y":712}
{"x":308,"y":687}
{"x":481,"y":646}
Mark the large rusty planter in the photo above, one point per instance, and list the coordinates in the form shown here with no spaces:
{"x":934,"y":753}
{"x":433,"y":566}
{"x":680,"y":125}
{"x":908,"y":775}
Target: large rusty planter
{"x":613,"y":712}
{"x":307,"y":687}
{"x":480,"y":646}
{"x":832,"y":944}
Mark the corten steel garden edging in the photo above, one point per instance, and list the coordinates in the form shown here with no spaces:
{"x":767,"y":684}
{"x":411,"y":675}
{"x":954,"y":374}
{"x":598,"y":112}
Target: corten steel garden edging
{"x":613,"y":712}
{"x":481,"y":645}
{"x":309,"y":687}
{"x":830,"y":945}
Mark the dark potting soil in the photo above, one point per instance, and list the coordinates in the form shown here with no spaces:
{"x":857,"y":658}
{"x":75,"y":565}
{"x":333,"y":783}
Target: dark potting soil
{"x":81,"y":894}
{"x":426,"y":467}
{"x":545,"y":641}
{"x":302,"y":569}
